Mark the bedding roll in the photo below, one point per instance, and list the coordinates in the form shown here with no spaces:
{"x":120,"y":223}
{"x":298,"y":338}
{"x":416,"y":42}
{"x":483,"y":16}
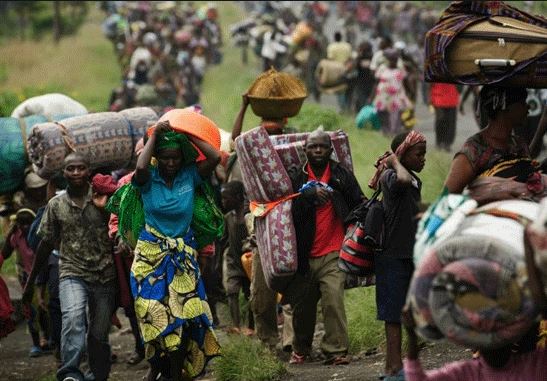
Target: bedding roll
{"x":13,"y":152}
{"x":107,"y":138}
{"x":470,"y":286}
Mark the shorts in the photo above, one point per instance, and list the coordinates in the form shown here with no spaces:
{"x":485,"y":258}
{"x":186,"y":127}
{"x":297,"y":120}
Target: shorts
{"x":392,"y":282}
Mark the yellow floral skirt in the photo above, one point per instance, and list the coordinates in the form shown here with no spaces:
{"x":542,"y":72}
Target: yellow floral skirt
{"x":170,"y":301}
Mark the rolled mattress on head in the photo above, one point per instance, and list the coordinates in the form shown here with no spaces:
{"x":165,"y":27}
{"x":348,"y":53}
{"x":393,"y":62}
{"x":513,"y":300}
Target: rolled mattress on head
{"x":470,"y":286}
{"x":107,"y":139}
{"x":13,"y":150}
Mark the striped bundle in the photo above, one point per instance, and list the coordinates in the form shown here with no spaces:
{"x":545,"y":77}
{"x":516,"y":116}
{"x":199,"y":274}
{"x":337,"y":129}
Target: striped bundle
{"x":108,"y":139}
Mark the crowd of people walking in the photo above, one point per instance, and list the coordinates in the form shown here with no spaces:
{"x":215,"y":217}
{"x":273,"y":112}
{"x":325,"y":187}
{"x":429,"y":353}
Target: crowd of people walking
{"x":82,"y":253}
{"x":163,"y":51}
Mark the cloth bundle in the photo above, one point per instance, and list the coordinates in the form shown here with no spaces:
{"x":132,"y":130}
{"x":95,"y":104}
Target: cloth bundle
{"x":13,"y":153}
{"x":470,"y":283}
{"x":49,"y":105}
{"x":290,"y":148}
{"x":107,"y":138}
{"x":537,"y":235}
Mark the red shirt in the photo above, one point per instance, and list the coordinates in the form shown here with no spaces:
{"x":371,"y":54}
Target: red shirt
{"x":444,"y":95}
{"x":329,"y":229}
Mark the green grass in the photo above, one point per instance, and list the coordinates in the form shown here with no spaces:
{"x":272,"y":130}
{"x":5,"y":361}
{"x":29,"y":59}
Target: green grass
{"x":364,"y":331}
{"x":50,"y":377}
{"x":82,"y":66}
{"x":246,"y":359}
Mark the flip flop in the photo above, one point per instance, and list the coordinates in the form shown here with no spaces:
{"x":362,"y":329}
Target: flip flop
{"x":337,"y":360}
{"x":297,"y":359}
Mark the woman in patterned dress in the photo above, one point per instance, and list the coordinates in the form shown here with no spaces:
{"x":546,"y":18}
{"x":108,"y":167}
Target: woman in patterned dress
{"x":170,"y":303}
{"x":389,"y":93}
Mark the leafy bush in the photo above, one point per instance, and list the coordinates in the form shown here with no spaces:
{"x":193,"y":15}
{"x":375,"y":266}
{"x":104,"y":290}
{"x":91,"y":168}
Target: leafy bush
{"x":312,"y":116}
{"x":42,"y":23}
{"x":245,"y":359}
{"x":8,"y":101}
{"x":35,"y":18}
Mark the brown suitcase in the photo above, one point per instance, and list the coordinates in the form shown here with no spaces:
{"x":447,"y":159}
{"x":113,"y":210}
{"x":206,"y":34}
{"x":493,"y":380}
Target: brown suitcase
{"x":487,"y":42}
{"x":497,"y":45}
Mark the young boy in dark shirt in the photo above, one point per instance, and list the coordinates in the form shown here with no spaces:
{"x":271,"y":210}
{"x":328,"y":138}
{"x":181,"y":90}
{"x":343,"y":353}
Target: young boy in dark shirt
{"x":401,"y":190}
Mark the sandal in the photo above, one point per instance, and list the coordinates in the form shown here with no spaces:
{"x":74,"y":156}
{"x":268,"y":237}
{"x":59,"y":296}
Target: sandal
{"x":337,"y":360}
{"x":297,"y":359}
{"x":342,"y":360}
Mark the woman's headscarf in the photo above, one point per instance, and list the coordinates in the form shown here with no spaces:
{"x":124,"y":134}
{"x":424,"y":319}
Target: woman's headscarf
{"x":493,"y":99}
{"x":411,"y":139}
{"x":176,"y":140}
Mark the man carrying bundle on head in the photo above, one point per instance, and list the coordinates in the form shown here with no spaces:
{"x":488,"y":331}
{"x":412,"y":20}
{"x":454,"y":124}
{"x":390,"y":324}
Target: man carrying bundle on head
{"x":263,"y":299}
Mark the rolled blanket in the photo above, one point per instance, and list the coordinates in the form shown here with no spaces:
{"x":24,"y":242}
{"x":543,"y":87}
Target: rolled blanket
{"x":537,"y":236}
{"x":470,"y":286}
{"x":13,"y":151}
{"x":107,"y":138}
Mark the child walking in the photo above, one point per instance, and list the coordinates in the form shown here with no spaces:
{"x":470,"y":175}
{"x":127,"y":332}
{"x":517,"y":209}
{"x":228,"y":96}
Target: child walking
{"x":235,"y":279}
{"x":16,"y":240}
{"x":401,"y":188}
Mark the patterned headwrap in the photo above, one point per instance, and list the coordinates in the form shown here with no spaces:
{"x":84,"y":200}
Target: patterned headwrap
{"x":413,"y":138}
{"x":176,"y":140}
{"x":497,"y":98}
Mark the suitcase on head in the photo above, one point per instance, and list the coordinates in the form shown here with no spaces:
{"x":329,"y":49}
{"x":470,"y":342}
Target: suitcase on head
{"x":477,"y":43}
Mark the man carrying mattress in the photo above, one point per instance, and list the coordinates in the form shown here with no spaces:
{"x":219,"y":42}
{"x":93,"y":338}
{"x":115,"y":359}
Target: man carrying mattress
{"x":263,"y":299}
{"x":328,"y":193}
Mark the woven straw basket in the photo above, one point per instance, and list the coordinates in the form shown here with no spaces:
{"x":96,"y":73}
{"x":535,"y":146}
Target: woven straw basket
{"x":276,"y":107}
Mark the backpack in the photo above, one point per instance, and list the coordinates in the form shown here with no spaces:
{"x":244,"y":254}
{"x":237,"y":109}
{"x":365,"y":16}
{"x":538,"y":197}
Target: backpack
{"x":364,"y":238}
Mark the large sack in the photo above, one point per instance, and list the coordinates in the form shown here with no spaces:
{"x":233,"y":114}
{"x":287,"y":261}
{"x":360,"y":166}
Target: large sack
{"x":49,"y":105}
{"x":330,"y":75}
{"x":470,"y":283}
{"x":301,"y":32}
{"x":482,"y":42}
{"x":13,"y":153}
{"x":265,"y":180}
{"x":107,"y":139}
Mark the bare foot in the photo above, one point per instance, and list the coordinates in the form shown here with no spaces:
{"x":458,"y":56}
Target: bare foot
{"x":152,"y":375}
{"x":247,"y":332}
